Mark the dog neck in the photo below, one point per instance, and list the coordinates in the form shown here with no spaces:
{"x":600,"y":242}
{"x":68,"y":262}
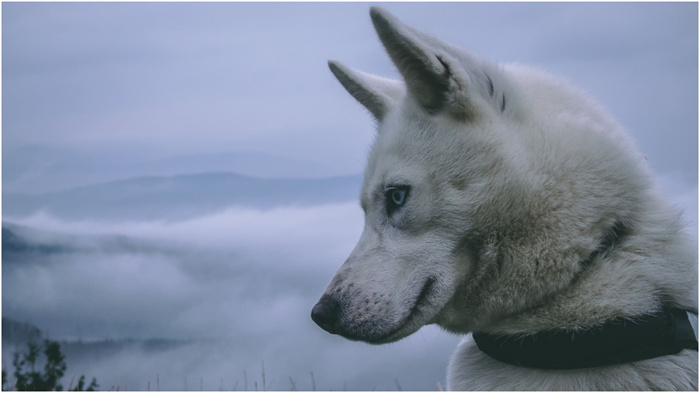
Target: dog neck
{"x":618,"y":341}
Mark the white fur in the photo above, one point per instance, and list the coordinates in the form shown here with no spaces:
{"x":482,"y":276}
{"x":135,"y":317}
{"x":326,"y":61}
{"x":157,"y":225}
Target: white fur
{"x":514,"y":178}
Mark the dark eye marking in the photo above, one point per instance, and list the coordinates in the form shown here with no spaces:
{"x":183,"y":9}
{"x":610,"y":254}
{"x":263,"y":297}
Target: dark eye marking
{"x":489,"y":85}
{"x":395,"y":197}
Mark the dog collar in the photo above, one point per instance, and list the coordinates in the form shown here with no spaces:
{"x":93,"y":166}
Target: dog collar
{"x":618,"y":341}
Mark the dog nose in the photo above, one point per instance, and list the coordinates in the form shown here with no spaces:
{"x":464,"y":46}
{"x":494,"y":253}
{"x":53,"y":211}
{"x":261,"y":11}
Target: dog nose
{"x":325,"y":313}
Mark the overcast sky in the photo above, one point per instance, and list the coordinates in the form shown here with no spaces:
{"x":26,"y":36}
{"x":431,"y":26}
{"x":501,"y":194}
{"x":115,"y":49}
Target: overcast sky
{"x":122,"y":81}
{"x":169,"y":79}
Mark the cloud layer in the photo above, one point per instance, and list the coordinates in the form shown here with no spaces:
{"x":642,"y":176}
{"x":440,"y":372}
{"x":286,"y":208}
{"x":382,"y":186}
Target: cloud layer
{"x":246,"y":279}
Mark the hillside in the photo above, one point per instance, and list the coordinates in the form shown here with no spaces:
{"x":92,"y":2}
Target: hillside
{"x":15,"y":332}
{"x":15,"y":336}
{"x":179,"y":197}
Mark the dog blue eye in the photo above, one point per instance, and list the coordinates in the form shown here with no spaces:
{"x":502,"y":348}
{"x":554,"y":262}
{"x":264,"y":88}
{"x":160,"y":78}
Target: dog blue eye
{"x":395,"y":197}
{"x":398,"y":197}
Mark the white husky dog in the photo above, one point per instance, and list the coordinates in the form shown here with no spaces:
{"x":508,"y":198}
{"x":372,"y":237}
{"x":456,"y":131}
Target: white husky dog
{"x":502,"y":202}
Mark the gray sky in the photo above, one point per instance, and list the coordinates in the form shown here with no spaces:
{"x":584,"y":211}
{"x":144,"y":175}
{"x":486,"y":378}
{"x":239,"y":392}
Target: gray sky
{"x":90,"y":87}
{"x":168,"y":79}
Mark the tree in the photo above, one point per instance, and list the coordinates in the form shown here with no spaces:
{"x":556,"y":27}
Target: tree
{"x":54,"y":369}
{"x":55,"y":365}
{"x":31,"y":379}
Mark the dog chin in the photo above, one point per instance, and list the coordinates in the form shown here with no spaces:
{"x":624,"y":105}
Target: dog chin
{"x":403,"y":331}
{"x":379,"y":334}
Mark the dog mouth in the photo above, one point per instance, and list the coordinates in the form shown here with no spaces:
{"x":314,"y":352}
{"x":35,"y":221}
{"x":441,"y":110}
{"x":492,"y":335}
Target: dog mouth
{"x":330,"y":314}
{"x":399,"y":331}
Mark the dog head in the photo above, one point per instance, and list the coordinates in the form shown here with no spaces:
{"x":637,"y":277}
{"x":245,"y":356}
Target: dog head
{"x":448,"y":197}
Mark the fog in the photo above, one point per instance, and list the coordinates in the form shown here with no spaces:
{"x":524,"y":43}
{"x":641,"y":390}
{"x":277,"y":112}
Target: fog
{"x":238,"y":258}
{"x":236,"y":287}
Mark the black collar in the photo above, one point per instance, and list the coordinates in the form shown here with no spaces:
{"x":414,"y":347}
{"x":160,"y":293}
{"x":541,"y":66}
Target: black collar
{"x":618,"y":341}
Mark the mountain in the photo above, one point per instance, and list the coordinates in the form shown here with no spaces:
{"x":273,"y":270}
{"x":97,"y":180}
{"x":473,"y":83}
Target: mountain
{"x":180,"y":197}
{"x":15,"y":332}
{"x":17,"y":246}
{"x":41,"y":169}
{"x":22,"y":245}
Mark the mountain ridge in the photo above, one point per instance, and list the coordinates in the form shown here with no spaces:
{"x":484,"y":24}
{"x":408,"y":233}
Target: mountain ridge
{"x":183,"y":196}
{"x":39,"y":169}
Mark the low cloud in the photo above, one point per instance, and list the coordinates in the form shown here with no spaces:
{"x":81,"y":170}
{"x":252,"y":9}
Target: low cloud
{"x":240,"y":283}
{"x":267,"y":261}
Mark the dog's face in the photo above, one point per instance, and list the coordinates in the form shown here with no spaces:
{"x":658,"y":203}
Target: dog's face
{"x":420,"y":208}
{"x":410,"y":258}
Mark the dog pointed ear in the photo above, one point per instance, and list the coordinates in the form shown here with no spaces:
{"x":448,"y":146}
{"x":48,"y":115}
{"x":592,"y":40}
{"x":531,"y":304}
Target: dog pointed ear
{"x":434,"y":76}
{"x":375,"y":93}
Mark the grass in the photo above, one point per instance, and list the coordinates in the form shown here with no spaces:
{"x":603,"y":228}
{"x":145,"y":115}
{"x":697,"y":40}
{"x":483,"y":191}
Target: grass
{"x":262,"y":387}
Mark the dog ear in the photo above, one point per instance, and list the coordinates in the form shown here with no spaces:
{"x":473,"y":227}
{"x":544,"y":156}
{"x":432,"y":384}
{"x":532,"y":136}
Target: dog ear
{"x":433,"y":74}
{"x":375,"y":93}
